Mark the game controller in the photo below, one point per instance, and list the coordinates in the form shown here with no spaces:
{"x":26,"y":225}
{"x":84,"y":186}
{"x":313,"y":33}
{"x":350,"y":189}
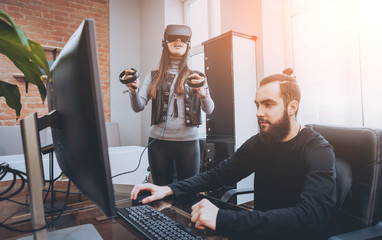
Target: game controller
{"x":134,"y":75}
{"x":195,"y":85}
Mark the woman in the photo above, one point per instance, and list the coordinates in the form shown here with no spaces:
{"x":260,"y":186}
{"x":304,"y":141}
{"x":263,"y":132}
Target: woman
{"x":176,"y":108}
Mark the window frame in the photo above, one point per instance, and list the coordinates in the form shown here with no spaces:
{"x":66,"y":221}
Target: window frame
{"x":214,"y":23}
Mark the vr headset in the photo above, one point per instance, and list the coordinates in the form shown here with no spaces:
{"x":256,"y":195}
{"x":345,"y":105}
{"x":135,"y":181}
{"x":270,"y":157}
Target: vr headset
{"x":173,"y":32}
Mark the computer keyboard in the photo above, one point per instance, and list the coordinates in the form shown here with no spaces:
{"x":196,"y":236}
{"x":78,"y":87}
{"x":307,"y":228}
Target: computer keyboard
{"x":155,"y":225}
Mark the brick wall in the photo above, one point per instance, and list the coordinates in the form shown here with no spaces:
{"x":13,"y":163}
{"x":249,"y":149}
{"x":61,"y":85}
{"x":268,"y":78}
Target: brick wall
{"x":51,"y":23}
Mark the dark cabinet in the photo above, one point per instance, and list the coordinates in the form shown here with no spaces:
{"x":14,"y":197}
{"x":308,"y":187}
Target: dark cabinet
{"x":230,"y":67}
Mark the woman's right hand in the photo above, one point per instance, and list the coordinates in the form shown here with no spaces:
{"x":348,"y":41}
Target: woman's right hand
{"x":157,"y":192}
{"x":133,"y":86}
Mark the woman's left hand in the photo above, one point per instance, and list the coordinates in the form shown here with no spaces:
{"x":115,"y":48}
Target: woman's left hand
{"x":195,"y":79}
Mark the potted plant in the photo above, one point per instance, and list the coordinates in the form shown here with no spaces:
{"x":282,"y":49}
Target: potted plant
{"x":27,"y":55}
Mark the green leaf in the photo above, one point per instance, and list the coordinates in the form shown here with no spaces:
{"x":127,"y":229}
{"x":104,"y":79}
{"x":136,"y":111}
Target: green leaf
{"x":12,"y":96}
{"x":21,"y":35}
{"x":38,"y":56}
{"x":27,"y":59}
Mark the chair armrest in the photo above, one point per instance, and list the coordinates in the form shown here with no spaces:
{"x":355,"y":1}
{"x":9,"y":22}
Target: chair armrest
{"x":361,"y":234}
{"x":233,"y":192}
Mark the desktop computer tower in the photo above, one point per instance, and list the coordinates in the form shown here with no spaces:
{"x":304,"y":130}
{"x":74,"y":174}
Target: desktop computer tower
{"x":230,"y":67}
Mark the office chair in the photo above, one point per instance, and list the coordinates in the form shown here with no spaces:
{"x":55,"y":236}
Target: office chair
{"x":358,"y":158}
{"x":359,"y":180}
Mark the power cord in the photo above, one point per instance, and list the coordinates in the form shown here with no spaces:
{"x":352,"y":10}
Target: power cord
{"x":140,"y":157}
{"x":139,"y":162}
{"x":36,"y":229}
{"x":4,"y":170}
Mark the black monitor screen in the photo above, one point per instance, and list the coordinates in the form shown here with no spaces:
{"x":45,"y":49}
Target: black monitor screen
{"x":79,"y":135}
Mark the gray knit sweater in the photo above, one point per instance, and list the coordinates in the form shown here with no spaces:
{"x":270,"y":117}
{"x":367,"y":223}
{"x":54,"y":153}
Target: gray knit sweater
{"x":174,"y":129}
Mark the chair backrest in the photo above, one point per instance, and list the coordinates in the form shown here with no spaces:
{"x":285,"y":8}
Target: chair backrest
{"x":11,"y":140}
{"x":112,"y":133}
{"x":359,"y":174}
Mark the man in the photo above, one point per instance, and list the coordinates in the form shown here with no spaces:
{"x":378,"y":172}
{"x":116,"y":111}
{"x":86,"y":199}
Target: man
{"x":295,"y":177}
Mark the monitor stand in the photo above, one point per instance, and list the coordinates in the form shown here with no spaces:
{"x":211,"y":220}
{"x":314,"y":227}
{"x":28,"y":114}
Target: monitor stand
{"x":53,"y":206}
{"x":86,"y":231}
{"x":30,"y":127}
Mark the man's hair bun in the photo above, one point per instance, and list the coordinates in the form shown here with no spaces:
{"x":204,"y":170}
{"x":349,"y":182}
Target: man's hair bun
{"x":288,"y":71}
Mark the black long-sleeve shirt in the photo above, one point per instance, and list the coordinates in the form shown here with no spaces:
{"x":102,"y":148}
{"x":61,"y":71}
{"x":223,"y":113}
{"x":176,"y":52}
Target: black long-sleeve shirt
{"x":295,"y":188}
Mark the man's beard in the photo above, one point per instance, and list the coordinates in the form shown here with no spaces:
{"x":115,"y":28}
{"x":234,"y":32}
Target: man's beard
{"x":276,"y":131}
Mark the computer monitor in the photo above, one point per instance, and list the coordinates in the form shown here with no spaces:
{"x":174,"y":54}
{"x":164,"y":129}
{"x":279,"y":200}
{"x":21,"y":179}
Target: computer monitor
{"x":77,"y":123}
{"x":79,"y":137}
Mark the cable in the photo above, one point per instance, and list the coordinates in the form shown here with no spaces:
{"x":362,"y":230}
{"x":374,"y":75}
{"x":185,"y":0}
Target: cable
{"x":60,"y":191}
{"x":140,"y":157}
{"x":55,"y":179}
{"x":20,"y":203}
{"x":50,"y":187}
{"x":33,"y":230}
{"x":4,"y":170}
{"x":139,"y":162}
{"x":3,"y":222}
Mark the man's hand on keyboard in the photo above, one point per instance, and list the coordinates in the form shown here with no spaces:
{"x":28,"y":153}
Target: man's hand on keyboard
{"x":204,"y":214}
{"x":157,"y":192}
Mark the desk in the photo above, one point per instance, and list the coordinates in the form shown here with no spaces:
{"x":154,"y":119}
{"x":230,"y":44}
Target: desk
{"x":85,"y":212}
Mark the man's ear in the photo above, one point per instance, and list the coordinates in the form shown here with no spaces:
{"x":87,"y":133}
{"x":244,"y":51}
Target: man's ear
{"x":292,"y":107}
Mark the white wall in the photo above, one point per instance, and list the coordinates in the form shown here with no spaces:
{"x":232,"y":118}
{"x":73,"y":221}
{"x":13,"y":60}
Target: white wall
{"x":263,"y":19}
{"x":152,"y":25}
{"x":245,"y":16}
{"x":124,"y":52}
{"x":273,"y":40}
{"x":173,"y":12}
{"x":136,"y":32}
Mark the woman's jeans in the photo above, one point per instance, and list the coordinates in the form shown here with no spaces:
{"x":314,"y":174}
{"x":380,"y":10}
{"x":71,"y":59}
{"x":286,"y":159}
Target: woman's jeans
{"x":165,"y":156}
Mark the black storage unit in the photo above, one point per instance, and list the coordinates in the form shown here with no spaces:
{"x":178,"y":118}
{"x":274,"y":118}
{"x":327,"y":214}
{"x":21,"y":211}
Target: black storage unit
{"x":230,"y":67}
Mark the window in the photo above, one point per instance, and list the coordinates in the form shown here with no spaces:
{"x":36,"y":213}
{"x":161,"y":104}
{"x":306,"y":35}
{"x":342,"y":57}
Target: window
{"x":198,"y":21}
{"x":335,"y":50}
{"x":203,"y":16}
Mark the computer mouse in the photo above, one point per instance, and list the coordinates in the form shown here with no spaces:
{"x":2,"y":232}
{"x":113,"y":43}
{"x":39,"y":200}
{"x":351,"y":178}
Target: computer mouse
{"x":141,"y":195}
